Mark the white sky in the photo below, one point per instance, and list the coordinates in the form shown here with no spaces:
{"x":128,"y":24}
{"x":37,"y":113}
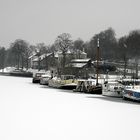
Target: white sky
{"x":43,"y":20}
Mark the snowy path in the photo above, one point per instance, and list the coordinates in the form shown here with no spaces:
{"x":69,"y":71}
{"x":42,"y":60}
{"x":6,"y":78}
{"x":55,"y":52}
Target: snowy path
{"x":34,"y":112}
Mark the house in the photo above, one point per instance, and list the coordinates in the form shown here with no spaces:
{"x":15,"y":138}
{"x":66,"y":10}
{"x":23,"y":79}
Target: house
{"x":80,"y":67}
{"x":81,"y":63}
{"x":45,"y":61}
{"x":31,"y":59}
{"x":53,"y":61}
{"x":71,"y":54}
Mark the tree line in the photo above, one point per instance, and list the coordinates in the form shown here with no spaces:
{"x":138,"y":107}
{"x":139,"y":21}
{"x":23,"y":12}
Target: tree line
{"x":111,"y":48}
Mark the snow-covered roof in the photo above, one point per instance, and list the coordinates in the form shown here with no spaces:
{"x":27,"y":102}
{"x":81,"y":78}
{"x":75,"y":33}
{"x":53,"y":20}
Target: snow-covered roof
{"x":42,"y":56}
{"x":80,"y":60}
{"x":78,"y":65}
{"x":36,"y":59}
{"x":45,"y":55}
{"x":32,"y":55}
{"x":70,"y":51}
{"x":56,"y":55}
{"x":83,"y":52}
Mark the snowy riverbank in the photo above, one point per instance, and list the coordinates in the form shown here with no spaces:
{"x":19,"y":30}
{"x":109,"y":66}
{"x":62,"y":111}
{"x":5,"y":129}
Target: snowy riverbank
{"x":34,"y":112}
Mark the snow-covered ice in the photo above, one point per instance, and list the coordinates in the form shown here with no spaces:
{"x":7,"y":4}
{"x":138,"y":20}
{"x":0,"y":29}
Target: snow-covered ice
{"x":34,"y":112}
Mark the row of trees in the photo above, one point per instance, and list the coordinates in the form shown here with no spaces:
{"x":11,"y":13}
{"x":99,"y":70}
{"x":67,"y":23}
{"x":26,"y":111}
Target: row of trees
{"x":111,"y":48}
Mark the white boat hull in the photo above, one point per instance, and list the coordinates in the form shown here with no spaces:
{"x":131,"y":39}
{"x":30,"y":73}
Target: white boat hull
{"x":112,"y":89}
{"x":62,"y":84}
{"x":112,"y":93}
{"x":132,"y":94}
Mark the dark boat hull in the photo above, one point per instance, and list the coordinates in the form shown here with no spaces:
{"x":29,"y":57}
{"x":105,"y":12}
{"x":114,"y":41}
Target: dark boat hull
{"x":91,"y":89}
{"x":96,"y":90}
{"x":68,"y":87}
{"x":21,"y":74}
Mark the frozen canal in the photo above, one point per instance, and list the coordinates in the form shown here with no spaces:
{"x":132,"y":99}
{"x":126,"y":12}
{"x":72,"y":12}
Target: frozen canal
{"x":34,"y":112}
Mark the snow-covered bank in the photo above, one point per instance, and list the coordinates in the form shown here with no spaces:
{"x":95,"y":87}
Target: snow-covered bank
{"x":31,"y":111}
{"x":7,"y":69}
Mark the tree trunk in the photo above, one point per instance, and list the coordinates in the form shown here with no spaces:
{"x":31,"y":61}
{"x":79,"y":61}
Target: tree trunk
{"x":27,"y":64}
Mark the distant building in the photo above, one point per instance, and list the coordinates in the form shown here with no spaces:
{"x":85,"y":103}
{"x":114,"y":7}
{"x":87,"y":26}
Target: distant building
{"x":80,"y":67}
{"x":44,"y":61}
{"x":31,"y":60}
{"x":71,"y":54}
{"x":53,"y":61}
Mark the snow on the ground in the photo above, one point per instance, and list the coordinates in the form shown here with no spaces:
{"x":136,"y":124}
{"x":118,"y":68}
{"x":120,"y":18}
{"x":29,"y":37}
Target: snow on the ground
{"x":34,"y":112}
{"x":10,"y":69}
{"x":7,"y":69}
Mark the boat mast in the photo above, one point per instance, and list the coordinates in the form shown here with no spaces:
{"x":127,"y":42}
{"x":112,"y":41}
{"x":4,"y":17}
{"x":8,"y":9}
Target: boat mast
{"x":97,"y":69}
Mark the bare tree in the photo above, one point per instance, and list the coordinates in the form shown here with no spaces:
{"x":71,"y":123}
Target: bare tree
{"x":78,"y":46}
{"x":108,"y":44}
{"x":2,"y":57}
{"x":20,"y":49}
{"x":64,"y":42}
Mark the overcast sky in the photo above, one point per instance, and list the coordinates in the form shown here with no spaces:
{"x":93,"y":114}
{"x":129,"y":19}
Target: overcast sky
{"x":43,"y":20}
